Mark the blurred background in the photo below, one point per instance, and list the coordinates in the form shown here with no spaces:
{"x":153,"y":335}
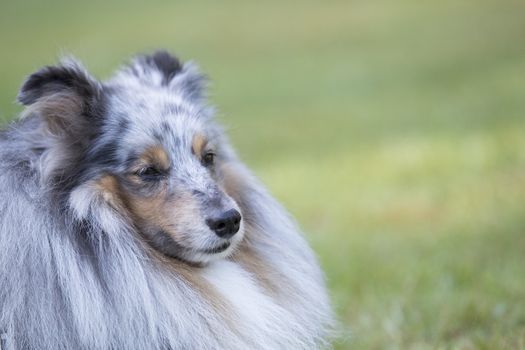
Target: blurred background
{"x":393,"y":130}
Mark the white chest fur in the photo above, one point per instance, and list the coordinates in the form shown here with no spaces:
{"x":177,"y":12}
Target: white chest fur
{"x":260,"y":318}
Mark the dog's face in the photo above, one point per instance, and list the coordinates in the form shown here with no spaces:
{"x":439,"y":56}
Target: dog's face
{"x":149,"y":149}
{"x":169,"y":174}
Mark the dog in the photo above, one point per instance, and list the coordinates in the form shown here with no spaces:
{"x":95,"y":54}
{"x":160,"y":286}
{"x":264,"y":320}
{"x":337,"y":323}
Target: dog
{"x":128,"y":222}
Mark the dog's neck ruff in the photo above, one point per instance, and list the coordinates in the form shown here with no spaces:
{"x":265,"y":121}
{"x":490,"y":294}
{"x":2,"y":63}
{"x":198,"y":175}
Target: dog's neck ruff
{"x":61,"y":289}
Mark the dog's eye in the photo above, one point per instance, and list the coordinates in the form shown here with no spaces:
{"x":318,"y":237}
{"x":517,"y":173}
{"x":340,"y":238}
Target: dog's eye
{"x":149,"y":173}
{"x":208,"y":159}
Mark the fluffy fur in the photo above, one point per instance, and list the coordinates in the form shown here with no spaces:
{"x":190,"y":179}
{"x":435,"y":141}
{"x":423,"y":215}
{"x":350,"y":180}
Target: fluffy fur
{"x":97,"y":256}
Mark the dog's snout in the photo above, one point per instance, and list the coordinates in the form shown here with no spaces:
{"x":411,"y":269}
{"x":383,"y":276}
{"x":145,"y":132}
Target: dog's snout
{"x":226,"y":224}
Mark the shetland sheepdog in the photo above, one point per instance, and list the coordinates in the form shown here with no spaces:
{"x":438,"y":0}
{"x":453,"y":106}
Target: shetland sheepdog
{"x":128,"y":222}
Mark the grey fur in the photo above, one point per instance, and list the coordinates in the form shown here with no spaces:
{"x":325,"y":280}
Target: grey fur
{"x":76,"y":274}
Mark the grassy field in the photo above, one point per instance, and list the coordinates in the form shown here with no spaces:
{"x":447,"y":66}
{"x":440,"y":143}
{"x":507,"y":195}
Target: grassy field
{"x":393,"y":131}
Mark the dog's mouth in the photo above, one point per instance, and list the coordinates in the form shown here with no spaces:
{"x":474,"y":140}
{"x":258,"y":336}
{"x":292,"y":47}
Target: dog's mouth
{"x":216,"y":250}
{"x":163,"y":243}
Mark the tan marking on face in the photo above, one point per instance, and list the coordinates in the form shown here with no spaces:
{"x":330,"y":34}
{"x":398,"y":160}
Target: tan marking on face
{"x":198,"y":144}
{"x":150,"y":212}
{"x":109,"y":187}
{"x":159,"y":211}
{"x":153,"y":156}
{"x":146,"y":212}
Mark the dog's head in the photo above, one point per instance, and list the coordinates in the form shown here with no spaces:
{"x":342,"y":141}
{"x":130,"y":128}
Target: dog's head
{"x":143,"y":145}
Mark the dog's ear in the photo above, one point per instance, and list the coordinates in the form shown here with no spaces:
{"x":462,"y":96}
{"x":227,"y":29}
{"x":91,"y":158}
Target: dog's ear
{"x":161,"y":69}
{"x":64,"y":96}
{"x":190,"y":82}
{"x":66,"y":101}
{"x":156,"y":69}
{"x":67,"y":78}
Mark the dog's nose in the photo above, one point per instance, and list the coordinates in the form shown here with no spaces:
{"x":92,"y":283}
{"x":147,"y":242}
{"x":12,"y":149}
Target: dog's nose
{"x":226,"y":224}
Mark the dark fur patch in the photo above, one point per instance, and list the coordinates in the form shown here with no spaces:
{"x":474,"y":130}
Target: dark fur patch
{"x":165,"y":63}
{"x":55,"y":79}
{"x":104,"y":156}
{"x":165,"y":127}
{"x":123,"y":126}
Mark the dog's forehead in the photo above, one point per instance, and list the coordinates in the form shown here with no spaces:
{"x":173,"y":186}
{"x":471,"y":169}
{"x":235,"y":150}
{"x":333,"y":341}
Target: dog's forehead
{"x":154,"y":115}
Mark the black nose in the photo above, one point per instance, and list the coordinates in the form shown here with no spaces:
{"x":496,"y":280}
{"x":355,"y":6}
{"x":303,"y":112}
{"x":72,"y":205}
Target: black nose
{"x":226,"y":224}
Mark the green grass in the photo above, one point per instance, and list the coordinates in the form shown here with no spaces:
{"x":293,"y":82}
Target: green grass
{"x":393,"y":131}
